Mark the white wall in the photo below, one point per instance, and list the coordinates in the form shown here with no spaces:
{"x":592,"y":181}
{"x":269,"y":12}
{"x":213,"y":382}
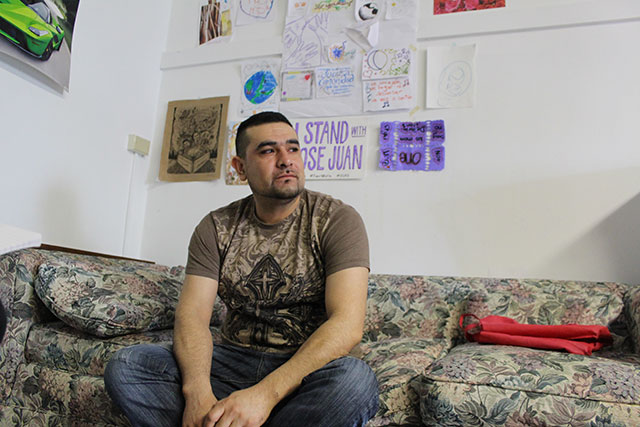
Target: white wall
{"x":65,"y":165}
{"x":542,"y":176}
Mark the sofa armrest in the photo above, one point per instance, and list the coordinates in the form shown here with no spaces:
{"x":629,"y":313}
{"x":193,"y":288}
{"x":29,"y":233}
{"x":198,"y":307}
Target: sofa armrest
{"x":23,"y":308}
{"x":632,"y":313}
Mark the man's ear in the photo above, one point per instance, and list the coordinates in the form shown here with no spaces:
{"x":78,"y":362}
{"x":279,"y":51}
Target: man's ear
{"x":239,"y":166}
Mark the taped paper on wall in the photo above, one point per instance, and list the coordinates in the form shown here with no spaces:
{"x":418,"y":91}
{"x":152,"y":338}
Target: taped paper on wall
{"x":297,"y":8}
{"x":303,"y":39}
{"x":334,"y":81}
{"x":386,"y":95}
{"x":451,"y":77}
{"x":412,"y":145}
{"x":259,"y":86}
{"x":401,"y":9}
{"x":255,"y":11}
{"x":215,"y":21}
{"x":386,"y":63}
{"x":297,"y":85}
{"x":330,"y":5}
{"x":332,"y":149}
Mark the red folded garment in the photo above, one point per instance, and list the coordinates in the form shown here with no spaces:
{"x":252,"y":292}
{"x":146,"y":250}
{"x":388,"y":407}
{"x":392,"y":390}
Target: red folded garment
{"x":578,"y":339}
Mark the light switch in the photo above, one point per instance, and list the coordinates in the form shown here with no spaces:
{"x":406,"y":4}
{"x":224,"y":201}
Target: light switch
{"x":139,"y":145}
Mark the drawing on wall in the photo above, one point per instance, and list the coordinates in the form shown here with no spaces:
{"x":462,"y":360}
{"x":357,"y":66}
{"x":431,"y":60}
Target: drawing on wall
{"x":215,"y":21}
{"x":412,"y":146}
{"x":330,"y":5}
{"x":260,"y":86}
{"x":297,"y":85}
{"x":451,"y":76}
{"x":334,"y":81}
{"x":385,"y":63}
{"x":303,"y":39}
{"x":297,"y":7}
{"x":194,"y":138}
{"x":341,"y":52}
{"x":231,"y":176}
{"x":451,"y":6}
{"x":37,"y":35}
{"x":387,"y":94}
{"x":325,"y":36}
{"x":255,"y":11}
{"x":401,"y":9}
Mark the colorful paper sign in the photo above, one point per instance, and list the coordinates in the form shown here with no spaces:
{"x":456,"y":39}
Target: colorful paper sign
{"x":412,"y":145}
{"x":332,"y":149}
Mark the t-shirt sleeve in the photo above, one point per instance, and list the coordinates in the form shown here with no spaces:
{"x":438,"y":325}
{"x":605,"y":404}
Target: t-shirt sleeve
{"x":204,"y":255}
{"x":344,"y":241}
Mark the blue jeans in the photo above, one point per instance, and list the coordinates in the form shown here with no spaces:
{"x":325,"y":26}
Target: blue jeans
{"x":144,"y":381}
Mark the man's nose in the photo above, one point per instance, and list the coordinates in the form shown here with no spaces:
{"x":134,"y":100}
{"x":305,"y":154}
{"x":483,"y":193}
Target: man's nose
{"x":284,"y":159}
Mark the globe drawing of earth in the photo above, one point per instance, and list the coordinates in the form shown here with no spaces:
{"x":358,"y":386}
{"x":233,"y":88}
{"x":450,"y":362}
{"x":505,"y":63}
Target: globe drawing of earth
{"x":259,"y":87}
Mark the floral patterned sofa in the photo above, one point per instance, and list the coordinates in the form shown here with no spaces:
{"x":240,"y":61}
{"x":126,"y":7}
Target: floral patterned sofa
{"x":69,"y":313}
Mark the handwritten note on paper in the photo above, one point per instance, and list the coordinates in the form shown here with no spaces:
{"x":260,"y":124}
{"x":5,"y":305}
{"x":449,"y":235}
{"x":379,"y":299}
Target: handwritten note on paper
{"x":384,"y":95}
{"x":451,"y":77}
{"x":255,"y":11}
{"x":334,"y":81}
{"x":386,"y":63}
{"x":412,"y":145}
{"x":332,"y":149}
{"x":297,"y":85}
{"x":303,"y":39}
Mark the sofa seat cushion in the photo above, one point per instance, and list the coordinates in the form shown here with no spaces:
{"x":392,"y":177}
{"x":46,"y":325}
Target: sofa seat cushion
{"x":48,"y":397}
{"x":397,"y":362}
{"x":517,"y":385}
{"x":109,"y":300}
{"x":58,"y":346}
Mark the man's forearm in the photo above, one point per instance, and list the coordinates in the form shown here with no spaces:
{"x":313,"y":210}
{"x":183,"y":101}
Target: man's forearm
{"x":193,"y":348}
{"x":333,"y":339}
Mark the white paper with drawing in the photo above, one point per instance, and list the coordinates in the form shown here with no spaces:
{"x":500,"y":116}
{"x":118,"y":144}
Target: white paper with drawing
{"x":451,"y":76}
{"x":255,"y":11}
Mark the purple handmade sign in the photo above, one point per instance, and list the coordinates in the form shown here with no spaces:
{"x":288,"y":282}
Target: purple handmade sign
{"x":332,"y":149}
{"x":412,"y":145}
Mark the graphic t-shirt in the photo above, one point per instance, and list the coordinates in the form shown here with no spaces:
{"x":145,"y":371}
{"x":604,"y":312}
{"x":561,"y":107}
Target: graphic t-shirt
{"x":272,"y":277}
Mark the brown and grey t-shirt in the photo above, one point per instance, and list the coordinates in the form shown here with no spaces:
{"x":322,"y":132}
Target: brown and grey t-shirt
{"x":272,"y":277}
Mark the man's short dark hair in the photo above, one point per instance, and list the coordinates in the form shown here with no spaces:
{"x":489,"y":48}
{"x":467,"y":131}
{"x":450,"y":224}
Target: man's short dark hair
{"x":242,"y":142}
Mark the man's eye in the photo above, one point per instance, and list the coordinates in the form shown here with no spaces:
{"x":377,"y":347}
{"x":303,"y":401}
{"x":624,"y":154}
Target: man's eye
{"x":294,"y":149}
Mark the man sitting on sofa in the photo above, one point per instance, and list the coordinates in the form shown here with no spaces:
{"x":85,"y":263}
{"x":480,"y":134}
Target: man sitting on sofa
{"x":292,"y":267}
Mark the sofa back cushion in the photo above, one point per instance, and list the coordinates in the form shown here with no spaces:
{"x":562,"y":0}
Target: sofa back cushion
{"x":107,"y":299}
{"x":548,"y":302}
{"x":414,"y":306}
{"x":632,"y":311}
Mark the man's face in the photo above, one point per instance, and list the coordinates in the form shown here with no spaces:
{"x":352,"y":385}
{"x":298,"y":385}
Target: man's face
{"x":273,"y":165}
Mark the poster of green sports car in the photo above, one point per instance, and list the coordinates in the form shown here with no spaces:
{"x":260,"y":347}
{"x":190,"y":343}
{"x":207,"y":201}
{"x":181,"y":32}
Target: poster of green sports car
{"x":37,"y":34}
